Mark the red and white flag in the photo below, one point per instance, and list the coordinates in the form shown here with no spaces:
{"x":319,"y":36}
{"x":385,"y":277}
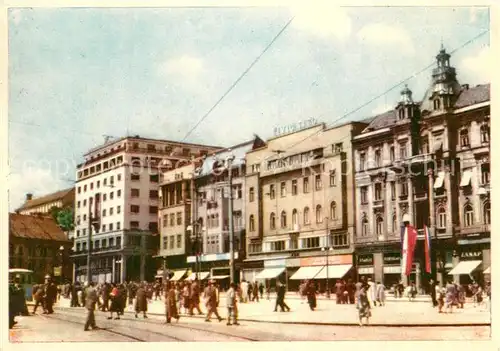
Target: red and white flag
{"x":427,"y":243}
{"x":409,"y":243}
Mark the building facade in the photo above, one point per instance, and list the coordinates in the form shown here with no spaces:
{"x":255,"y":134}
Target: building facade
{"x":426,"y":163}
{"x":117,"y":200}
{"x":37,"y":243}
{"x":300,"y":213}
{"x":61,"y":199}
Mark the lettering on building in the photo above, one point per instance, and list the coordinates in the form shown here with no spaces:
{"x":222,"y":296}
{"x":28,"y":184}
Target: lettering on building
{"x":295,"y":127}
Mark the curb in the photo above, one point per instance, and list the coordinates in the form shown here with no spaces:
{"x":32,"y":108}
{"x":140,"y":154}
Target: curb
{"x":338,"y":324}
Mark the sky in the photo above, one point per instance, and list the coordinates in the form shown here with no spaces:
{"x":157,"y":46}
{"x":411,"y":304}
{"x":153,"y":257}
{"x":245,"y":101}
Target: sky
{"x":78,"y":74}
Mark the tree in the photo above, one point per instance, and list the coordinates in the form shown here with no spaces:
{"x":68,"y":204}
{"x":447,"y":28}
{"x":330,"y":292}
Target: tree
{"x":63,"y":217}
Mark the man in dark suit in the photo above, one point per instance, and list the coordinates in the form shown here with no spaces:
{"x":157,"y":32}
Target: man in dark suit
{"x":432,"y":287}
{"x":280,"y":298}
{"x":90,"y":303}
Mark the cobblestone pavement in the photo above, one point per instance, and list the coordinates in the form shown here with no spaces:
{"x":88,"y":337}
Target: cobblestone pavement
{"x":66,"y":325}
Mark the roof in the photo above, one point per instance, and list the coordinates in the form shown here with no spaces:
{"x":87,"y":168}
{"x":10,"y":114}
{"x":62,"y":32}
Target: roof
{"x":46,"y":199}
{"x":472,"y":96}
{"x":35,"y":227}
{"x":382,"y":120}
{"x":238,"y":151}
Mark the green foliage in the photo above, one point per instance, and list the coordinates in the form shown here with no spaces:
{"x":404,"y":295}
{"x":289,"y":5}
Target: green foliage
{"x":63,"y":217}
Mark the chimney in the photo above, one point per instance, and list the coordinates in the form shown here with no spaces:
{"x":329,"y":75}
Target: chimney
{"x":29,"y":197}
{"x":465,"y":86}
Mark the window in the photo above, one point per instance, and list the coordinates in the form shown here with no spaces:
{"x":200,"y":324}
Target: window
{"x":283,"y":189}
{"x":487,"y":213}
{"x":153,"y":227}
{"x":283,"y":219}
{"x":394,"y":223}
{"x":105,"y":181}
{"x":364,"y":226}
{"x":272,"y":192}
{"x":78,"y":204}
{"x":404,"y":189}
{"x":333,"y":210}
{"x":362,"y":161}
{"x":401,"y":114}
{"x":306,"y":216}
{"x":111,"y":211}
{"x":134,"y":208}
{"x":485,"y":133}
{"x":272,"y":221}
{"x":437,"y":104}
{"x":153,"y":178}
{"x":153,"y":194}
{"x":111,"y":195}
{"x":84,"y":217}
{"x":135,"y":177}
{"x":305,"y":188}
{"x":104,"y":227}
{"x":118,"y":209}
{"x":251,"y":194}
{"x":79,"y":190}
{"x":172,"y":239}
{"x":364,"y":194}
{"x":441,"y":220}
{"x":464,"y":137}
{"x":485,"y":173}
{"x":104,"y":197}
{"x":333,"y":178}
{"x":165,"y":242}
{"x":110,"y":227}
{"x":340,"y":240}
{"x":179,"y":241}
{"x":378,"y":158}
{"x":294,"y":243}
{"x":468,"y":215}
{"x":295,"y":218}
{"x":134,"y":224}
{"x":310,"y":243}
{"x":294,"y":187}
{"x":251,"y":223}
{"x":111,"y":180}
{"x":91,"y":186}
{"x":119,"y":177}
{"x":319,"y":214}
{"x":118,"y":193}
{"x":378,"y":191}
{"x":153,"y":209}
{"x":118,"y":226}
{"x":278,"y":245}
{"x":402,"y":150}
{"x":393,"y":191}
{"x":134,"y":192}
{"x":165,"y":220}
{"x":85,"y":188}
{"x":392,"y":154}
{"x":179,"y":218}
{"x":380,"y":225}
{"x":318,"y":182}
{"x":424,"y":147}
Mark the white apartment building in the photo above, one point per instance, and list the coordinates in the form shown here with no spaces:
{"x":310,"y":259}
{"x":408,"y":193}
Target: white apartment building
{"x":117,"y":186}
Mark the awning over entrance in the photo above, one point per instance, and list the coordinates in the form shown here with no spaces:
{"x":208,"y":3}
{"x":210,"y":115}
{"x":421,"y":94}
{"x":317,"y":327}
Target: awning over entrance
{"x":464,"y":267}
{"x":219,"y":277}
{"x":178,"y":275}
{"x":487,"y":270}
{"x":439,"y":180}
{"x":201,"y":276}
{"x":334,"y":272}
{"x":306,"y":273}
{"x":466,"y":177}
{"x":270,"y":273}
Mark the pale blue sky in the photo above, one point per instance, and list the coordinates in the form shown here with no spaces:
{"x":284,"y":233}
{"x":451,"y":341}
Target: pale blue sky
{"x":78,"y":74}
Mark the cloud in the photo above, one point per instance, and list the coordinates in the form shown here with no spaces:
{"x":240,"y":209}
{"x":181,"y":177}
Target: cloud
{"x":382,"y":108}
{"x":322,"y":20}
{"x":381,"y":34}
{"x":478,"y":66}
{"x":188,"y":67}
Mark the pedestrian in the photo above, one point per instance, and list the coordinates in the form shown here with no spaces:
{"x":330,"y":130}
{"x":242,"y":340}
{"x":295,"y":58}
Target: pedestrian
{"x":451,"y":292}
{"x":115,"y":302}
{"x":364,"y":307}
{"x":412,"y":291}
{"x":261,"y":290}
{"x":90,"y":304}
{"x":460,"y":295}
{"x":231,"y":304}
{"x":440,"y":293}
{"x":244,"y":291}
{"x":141,"y":301}
{"x":380,"y":294}
{"x":171,"y":310}
{"x":106,"y":289}
{"x":186,"y":292}
{"x":372,"y":293}
{"x":350,"y":289}
{"x":195,"y":298}
{"x":50,"y":293}
{"x":38,"y":296}
{"x":280,"y":298}
{"x":311,"y":295}
{"x":255,"y":291}
{"x":432,"y":287}
{"x":211,"y":301}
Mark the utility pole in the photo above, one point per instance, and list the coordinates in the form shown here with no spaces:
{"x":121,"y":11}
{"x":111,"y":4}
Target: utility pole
{"x":194,"y":227}
{"x":89,"y":243}
{"x":231,"y":226}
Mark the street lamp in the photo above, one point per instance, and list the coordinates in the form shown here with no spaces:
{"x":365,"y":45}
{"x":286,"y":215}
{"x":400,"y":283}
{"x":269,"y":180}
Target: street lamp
{"x":61,"y":252}
{"x":327,"y":250}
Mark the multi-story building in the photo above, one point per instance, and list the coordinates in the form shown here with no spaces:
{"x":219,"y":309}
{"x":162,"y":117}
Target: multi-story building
{"x":426,"y":163}
{"x":300,"y":212}
{"x":61,"y":199}
{"x":117,"y":199}
{"x":37,"y":243}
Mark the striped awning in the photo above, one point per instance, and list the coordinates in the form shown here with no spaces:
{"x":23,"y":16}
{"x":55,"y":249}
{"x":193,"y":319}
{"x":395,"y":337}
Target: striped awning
{"x":178,"y":275}
{"x":201,"y":276}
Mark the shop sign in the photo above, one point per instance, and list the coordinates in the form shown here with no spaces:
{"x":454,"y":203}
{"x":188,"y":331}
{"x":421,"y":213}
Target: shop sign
{"x":57,"y":271}
{"x":293,"y":262}
{"x":365,"y":260}
{"x":471,"y":255}
{"x":321,"y":260}
{"x":365,"y":270}
{"x":275,"y":263}
{"x":294,"y":127}
{"x":212,"y":257}
{"x":392,"y":258}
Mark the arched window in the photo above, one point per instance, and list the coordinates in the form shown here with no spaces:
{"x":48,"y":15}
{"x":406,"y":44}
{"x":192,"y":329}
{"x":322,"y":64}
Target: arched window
{"x":251,"y":223}
{"x":394,"y":223}
{"x":319,"y":214}
{"x":295,"y":217}
{"x":283,"y":219}
{"x":468,"y":215}
{"x":272,"y":221}
{"x":487,"y":213}
{"x":364,"y":226}
{"x":380,"y":225}
{"x":306,"y":215}
{"x":441,"y":217}
{"x":333,"y":210}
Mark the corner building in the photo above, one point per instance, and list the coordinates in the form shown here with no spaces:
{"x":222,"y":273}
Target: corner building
{"x":300,"y":213}
{"x":427,"y":163}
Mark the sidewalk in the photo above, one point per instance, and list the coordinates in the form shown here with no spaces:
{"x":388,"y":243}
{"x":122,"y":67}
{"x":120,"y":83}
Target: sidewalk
{"x":399,"y":314}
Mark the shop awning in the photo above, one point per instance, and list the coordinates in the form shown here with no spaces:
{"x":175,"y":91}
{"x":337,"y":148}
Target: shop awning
{"x":464,"y":267}
{"x":466,"y":177}
{"x":178,"y":275}
{"x":306,"y":273}
{"x":270,"y":273}
{"x":438,"y":183}
{"x":219,"y":277}
{"x":201,"y":276}
{"x":334,"y":272}
{"x":487,"y":270}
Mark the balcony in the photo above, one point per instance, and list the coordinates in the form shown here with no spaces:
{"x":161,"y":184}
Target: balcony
{"x":413,"y":162}
{"x":378,"y":203}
